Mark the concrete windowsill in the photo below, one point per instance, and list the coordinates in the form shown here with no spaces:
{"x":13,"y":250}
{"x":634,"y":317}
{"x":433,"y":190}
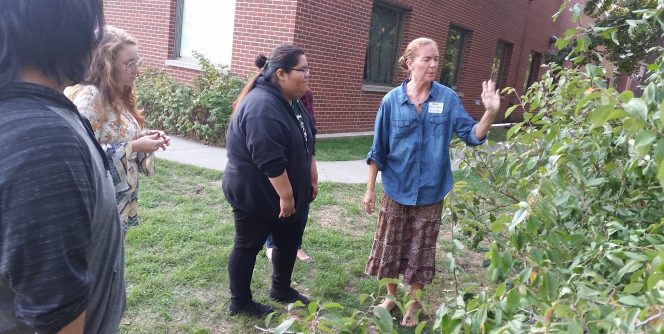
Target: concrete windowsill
{"x":183,"y":63}
{"x":376,"y":88}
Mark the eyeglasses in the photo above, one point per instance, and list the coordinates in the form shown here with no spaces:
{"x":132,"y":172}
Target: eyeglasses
{"x":134,"y":65}
{"x":305,"y":70}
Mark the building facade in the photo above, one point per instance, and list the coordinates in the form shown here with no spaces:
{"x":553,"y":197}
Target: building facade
{"x":352,"y":46}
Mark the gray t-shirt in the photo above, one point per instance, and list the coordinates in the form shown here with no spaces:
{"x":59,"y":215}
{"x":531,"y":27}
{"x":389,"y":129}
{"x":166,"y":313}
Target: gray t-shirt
{"x":61,"y":247}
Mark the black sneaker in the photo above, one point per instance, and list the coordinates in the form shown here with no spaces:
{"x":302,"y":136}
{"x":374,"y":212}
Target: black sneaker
{"x":252,"y":309}
{"x":288,"y":296}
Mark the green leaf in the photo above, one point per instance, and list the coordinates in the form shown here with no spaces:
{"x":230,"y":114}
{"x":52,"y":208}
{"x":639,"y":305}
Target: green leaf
{"x":616,"y":260}
{"x":420,"y":327}
{"x":312,"y":307}
{"x":630,"y":267}
{"x":625,"y":96}
{"x":479,"y":320}
{"x":498,"y":226}
{"x":513,"y":130}
{"x":654,"y":279}
{"x":332,"y":306}
{"x":636,"y":256}
{"x":633,"y":288}
{"x":384,"y":319}
{"x":637,"y":108}
{"x":451,"y":263}
{"x":631,"y":301}
{"x":643,"y":141}
{"x":574,"y":327}
{"x":510,"y":110}
{"x":599,"y":116}
{"x":519,"y":216}
{"x":595,"y":182}
{"x":284,"y":326}
{"x":660,"y":173}
{"x":649,"y":93}
{"x":513,"y":301}
{"x":500,"y":290}
{"x":561,"y":43}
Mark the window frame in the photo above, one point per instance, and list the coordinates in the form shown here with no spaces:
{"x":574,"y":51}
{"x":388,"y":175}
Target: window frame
{"x":176,"y":58}
{"x":464,"y":37}
{"x":532,"y":73}
{"x":501,"y":74}
{"x":393,"y":66}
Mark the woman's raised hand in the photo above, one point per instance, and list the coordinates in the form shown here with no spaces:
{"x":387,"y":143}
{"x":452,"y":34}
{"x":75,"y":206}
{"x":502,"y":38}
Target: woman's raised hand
{"x":490,"y":96}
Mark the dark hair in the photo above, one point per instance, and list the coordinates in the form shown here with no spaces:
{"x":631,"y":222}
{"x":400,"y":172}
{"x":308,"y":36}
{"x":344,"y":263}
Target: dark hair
{"x":54,"y":36}
{"x":283,"y":57}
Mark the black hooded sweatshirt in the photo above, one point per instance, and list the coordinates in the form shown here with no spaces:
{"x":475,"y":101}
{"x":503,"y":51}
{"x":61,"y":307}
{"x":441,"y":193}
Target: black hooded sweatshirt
{"x":265,"y":137}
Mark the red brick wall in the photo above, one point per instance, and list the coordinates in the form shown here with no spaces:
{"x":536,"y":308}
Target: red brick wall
{"x":260,"y":26}
{"x":335,"y":35}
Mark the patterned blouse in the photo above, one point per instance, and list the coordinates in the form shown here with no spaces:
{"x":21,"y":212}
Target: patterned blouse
{"x":114,"y":134}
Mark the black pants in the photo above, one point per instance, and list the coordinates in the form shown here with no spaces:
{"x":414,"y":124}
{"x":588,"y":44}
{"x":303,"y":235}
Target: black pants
{"x":250,"y":234}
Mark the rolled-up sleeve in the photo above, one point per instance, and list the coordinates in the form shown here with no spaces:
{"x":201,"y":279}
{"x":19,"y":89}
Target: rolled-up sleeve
{"x":380,"y":146}
{"x":464,"y":125}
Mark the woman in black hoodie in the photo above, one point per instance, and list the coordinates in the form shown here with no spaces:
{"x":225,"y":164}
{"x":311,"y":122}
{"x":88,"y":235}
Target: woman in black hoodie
{"x":270,"y":177}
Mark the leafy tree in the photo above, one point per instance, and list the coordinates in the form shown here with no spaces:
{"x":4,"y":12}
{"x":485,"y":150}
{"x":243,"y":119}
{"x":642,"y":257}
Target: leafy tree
{"x":622,"y":33}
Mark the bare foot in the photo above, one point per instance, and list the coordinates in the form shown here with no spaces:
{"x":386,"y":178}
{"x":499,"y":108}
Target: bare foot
{"x":302,"y":255}
{"x":410,"y":317}
{"x":387,"y":304}
{"x":268,"y":253}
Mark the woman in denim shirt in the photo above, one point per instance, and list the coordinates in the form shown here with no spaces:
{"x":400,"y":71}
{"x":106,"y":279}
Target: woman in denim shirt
{"x":412,"y":135}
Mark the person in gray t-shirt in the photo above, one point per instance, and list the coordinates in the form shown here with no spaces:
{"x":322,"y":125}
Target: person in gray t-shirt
{"x":61,"y":247}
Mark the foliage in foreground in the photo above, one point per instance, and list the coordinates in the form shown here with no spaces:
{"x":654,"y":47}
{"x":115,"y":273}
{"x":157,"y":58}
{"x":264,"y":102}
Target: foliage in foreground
{"x":576,"y":230}
{"x":200,"y":110}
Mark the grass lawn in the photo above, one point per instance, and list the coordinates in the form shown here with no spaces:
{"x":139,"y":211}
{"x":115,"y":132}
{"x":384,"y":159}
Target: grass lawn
{"x":343,"y":148}
{"x":176,"y":258}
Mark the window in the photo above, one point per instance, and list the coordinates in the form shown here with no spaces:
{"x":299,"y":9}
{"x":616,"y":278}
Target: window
{"x":451,"y":65}
{"x":500,"y":61}
{"x":384,"y":42}
{"x":206,"y":27}
{"x":532,"y":73}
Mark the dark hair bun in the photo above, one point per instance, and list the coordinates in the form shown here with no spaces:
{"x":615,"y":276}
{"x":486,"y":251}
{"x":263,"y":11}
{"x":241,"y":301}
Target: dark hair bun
{"x":261,"y":60}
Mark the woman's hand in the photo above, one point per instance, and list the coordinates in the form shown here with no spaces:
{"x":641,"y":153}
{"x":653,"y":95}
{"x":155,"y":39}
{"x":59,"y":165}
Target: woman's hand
{"x":314,"y":190}
{"x":490,"y":97}
{"x":369,"y":201}
{"x":148,"y":143}
{"x":287,"y":206}
{"x":162,"y":134}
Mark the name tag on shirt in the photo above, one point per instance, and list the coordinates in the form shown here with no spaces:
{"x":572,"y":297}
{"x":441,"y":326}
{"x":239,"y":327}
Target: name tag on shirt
{"x":436,"y":107}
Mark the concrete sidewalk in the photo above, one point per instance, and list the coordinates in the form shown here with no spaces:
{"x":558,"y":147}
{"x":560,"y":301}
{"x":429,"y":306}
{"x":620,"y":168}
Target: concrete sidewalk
{"x":192,"y":153}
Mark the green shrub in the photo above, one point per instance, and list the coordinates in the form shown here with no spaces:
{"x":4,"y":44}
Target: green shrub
{"x":199,"y":110}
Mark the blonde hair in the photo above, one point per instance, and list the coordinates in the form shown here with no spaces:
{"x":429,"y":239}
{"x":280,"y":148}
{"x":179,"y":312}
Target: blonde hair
{"x":412,"y":48}
{"x":103,"y":73}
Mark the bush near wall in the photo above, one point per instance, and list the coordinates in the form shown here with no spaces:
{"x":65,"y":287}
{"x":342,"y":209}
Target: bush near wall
{"x":198,"y":111}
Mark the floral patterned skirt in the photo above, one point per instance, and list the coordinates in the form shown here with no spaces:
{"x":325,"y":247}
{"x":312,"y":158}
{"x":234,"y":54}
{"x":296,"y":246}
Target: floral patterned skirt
{"x":405,"y":242}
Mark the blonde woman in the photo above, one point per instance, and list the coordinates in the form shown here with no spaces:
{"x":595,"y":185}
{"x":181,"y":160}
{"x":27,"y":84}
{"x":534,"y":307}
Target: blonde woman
{"x":412,"y":135}
{"x":107,"y":100}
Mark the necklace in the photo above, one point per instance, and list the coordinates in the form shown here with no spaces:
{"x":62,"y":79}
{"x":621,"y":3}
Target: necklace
{"x":414,"y":97}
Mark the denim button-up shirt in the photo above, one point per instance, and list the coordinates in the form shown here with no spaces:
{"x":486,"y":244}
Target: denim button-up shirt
{"x":412,"y":150}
